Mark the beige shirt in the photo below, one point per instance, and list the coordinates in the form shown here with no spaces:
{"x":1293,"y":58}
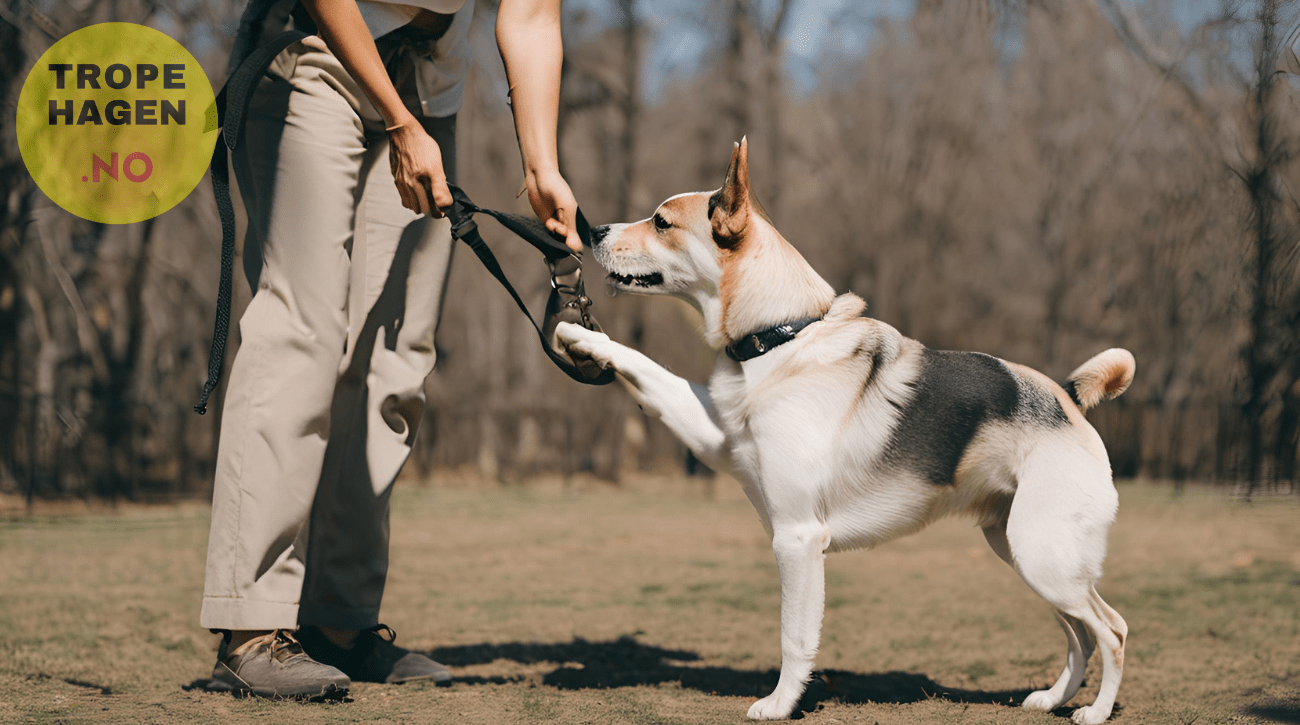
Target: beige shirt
{"x":439,"y":79}
{"x":382,"y":16}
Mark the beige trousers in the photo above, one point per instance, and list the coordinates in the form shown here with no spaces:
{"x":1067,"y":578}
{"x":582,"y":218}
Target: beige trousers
{"x":327,"y":389}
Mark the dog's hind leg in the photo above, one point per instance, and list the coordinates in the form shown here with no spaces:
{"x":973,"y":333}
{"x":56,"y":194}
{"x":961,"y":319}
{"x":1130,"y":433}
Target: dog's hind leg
{"x":1076,"y":661}
{"x":1111,"y":633}
{"x":1056,"y":532}
{"x":800,"y":561}
{"x":1079,"y":642}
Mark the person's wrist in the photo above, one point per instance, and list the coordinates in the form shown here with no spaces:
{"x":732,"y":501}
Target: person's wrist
{"x":404,"y":137}
{"x":536,"y":178}
{"x":542,"y":169}
{"x":401,"y":123}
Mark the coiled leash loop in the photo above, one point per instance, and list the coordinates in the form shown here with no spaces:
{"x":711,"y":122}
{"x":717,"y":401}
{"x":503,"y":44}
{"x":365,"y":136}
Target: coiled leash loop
{"x":568,"y":301}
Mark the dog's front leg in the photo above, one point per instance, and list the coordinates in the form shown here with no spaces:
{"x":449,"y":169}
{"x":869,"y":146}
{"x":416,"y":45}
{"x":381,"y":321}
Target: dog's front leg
{"x":800,"y":550}
{"x":683,"y":406}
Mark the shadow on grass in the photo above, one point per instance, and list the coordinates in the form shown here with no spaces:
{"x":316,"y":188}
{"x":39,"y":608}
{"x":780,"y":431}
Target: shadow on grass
{"x":625,"y":662}
{"x":1288,"y":712}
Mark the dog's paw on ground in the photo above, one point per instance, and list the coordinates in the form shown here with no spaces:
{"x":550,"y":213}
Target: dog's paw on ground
{"x":773,"y":707}
{"x":1090,"y":716}
{"x":1042,"y":700}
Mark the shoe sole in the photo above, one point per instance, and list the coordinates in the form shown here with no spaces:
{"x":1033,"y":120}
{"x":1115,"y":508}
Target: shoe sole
{"x":328,"y":693}
{"x":440,"y":679}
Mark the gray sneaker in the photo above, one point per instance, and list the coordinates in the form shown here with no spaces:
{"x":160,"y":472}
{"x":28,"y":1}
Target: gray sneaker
{"x":374,"y":658}
{"x":274,"y":665}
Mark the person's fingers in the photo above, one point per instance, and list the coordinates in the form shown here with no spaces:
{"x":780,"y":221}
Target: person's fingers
{"x":569,"y":231}
{"x":560,"y":229}
{"x":416,"y":163}
{"x":441,"y":195}
{"x":408,"y":201}
{"x":395,"y":168}
{"x":435,"y":206}
{"x":435,"y":209}
{"x":422,"y":198}
{"x":403,"y":189}
{"x":557,"y":227}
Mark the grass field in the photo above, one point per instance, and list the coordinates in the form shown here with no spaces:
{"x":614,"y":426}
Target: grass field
{"x":658,"y":603}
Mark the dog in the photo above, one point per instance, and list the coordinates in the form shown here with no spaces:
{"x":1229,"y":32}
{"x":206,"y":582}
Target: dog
{"x":845,"y":434}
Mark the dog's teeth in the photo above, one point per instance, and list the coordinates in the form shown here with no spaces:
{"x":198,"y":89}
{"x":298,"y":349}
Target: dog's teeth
{"x":630,"y":280}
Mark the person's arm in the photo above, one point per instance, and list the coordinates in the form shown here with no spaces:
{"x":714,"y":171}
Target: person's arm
{"x":528,"y":36}
{"x":415,"y":158}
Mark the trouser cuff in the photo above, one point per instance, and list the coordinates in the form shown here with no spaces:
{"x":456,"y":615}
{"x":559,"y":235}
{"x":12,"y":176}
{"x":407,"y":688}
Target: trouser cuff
{"x":320,"y":615}
{"x":245,"y":614}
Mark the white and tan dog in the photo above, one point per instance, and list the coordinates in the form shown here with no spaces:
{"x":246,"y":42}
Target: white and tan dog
{"x":846,"y":434}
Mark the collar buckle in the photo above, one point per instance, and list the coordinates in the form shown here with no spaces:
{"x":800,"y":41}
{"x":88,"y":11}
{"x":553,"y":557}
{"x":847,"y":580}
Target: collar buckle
{"x":763,"y":341}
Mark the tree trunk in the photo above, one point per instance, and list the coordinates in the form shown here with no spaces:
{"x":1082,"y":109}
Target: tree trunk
{"x":1260,"y":182}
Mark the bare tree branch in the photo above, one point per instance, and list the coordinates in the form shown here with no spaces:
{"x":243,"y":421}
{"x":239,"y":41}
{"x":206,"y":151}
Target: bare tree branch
{"x":86,"y":335}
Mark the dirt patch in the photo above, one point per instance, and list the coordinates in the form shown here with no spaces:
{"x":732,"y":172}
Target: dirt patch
{"x":659,"y":603}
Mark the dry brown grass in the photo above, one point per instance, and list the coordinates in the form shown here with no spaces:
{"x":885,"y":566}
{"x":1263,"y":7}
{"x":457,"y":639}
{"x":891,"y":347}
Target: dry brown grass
{"x":659,"y":603}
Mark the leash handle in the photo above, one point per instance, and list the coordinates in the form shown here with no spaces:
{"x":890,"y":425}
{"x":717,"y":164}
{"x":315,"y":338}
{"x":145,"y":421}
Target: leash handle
{"x":529,"y":229}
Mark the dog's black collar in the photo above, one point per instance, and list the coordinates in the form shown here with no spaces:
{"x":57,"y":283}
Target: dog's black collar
{"x":757,"y":343}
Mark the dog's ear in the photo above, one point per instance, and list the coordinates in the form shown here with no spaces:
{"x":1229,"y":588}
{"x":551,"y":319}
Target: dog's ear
{"x":729,"y":207}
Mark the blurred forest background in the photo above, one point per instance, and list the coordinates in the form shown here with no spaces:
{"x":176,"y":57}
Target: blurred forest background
{"x":1034,"y":179}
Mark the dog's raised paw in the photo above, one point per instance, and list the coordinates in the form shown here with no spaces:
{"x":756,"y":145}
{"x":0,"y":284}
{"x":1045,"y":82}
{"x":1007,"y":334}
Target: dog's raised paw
{"x":587,"y":343}
{"x":578,"y":337}
{"x":1042,"y":700}
{"x":772,"y":707}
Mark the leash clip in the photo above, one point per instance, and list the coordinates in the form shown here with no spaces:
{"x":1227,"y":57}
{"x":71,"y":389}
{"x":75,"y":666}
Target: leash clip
{"x":567,"y":280}
{"x":465,"y":225}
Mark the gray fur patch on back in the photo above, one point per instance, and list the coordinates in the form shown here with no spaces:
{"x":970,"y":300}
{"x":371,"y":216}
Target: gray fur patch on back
{"x":954,"y":393}
{"x":1037,"y":405}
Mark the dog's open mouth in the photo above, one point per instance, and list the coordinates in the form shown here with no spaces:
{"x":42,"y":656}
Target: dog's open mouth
{"x":654,"y":279}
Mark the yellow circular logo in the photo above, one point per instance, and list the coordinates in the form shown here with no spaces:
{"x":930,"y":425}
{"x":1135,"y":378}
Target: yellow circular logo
{"x":116,"y":123}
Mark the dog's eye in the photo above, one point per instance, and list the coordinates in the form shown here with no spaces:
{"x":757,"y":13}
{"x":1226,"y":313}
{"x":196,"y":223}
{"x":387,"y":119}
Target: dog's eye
{"x":661,"y":223}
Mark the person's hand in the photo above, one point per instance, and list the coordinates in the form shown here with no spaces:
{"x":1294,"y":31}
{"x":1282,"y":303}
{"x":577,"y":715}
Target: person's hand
{"x":553,"y":203}
{"x":416,"y":161}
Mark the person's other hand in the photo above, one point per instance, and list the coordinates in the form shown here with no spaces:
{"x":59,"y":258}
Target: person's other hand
{"x":416,"y":161}
{"x":553,"y":203}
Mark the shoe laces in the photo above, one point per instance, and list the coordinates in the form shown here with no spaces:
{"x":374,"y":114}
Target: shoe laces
{"x":388,"y":633}
{"x":279,"y":643}
{"x":378,"y":641}
{"x":284,"y":645}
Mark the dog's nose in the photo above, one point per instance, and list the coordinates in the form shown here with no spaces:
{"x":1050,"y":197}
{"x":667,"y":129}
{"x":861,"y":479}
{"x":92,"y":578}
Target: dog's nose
{"x":598,"y":234}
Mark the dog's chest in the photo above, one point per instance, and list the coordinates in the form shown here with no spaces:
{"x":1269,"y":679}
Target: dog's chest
{"x":767,"y":417}
{"x":729,"y":392}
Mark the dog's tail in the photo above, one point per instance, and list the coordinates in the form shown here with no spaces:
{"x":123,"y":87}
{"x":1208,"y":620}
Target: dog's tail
{"x":1104,"y":377}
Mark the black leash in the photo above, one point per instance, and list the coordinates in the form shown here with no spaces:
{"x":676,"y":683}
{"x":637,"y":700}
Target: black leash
{"x":568,"y":300}
{"x":566,"y":276}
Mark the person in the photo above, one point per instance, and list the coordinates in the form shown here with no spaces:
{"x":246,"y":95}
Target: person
{"x":348,"y":147}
